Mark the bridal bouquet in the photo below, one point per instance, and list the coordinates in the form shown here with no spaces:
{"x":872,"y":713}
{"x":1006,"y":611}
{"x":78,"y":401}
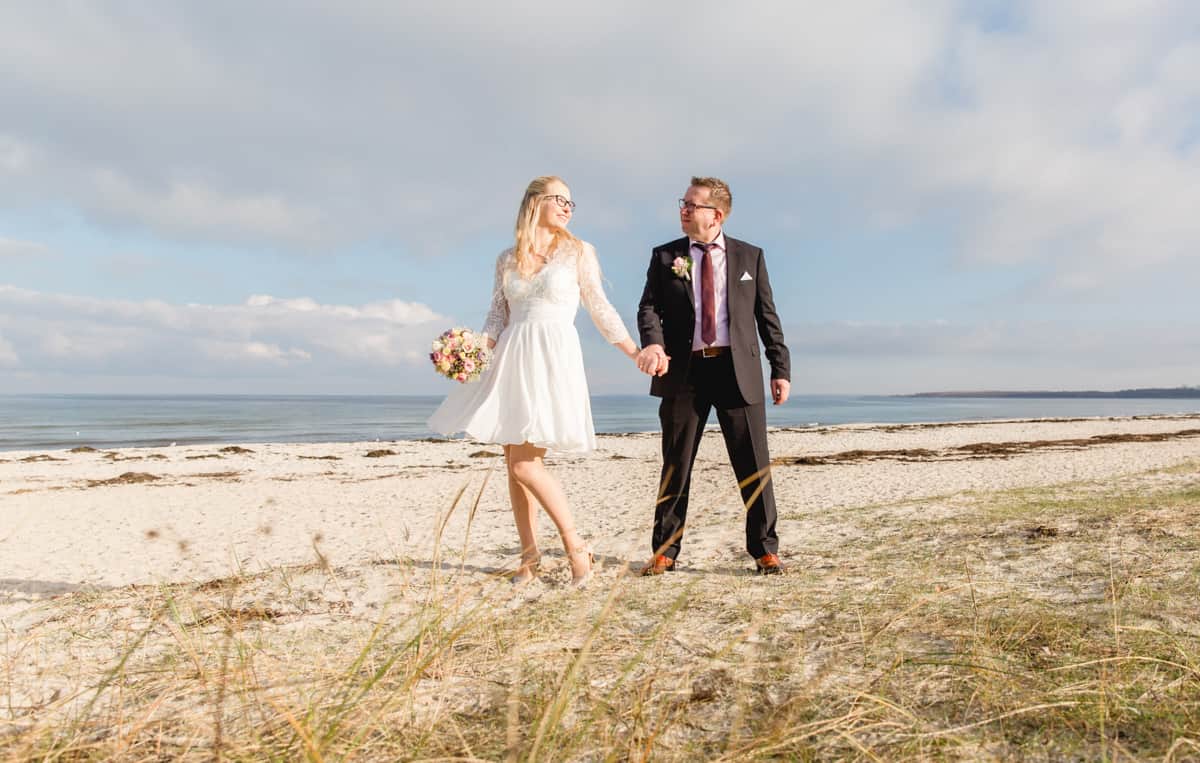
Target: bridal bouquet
{"x":460,"y":354}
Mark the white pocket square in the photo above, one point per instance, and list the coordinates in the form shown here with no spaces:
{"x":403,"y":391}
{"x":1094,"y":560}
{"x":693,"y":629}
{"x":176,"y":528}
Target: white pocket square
{"x":745,"y":276}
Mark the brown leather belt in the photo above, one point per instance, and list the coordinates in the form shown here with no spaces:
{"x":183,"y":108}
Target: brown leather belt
{"x":710,"y":352}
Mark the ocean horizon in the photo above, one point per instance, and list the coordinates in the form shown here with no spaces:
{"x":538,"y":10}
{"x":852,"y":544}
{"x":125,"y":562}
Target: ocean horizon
{"x":61,"y":421}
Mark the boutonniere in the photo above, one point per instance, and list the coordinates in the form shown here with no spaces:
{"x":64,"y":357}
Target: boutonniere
{"x":682,"y":267}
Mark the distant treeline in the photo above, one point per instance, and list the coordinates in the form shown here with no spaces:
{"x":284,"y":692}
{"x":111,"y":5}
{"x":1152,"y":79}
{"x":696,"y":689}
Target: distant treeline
{"x":1148,"y":392}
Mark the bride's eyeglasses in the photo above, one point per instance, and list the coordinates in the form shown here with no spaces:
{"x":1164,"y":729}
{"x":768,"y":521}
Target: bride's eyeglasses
{"x":562,"y":201}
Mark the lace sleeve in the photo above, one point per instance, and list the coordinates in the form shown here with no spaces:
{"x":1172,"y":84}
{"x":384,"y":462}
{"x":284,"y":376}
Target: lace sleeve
{"x":497,"y":317}
{"x":591,"y":292}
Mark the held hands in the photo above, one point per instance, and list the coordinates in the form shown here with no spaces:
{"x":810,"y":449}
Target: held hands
{"x":652,"y":360}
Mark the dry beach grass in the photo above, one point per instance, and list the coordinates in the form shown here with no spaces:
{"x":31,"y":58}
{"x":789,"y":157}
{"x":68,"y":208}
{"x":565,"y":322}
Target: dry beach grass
{"x":960,"y":603}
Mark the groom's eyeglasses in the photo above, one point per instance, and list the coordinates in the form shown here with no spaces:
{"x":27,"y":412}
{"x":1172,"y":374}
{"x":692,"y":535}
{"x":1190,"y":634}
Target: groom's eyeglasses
{"x":562,"y":201}
{"x":689,"y":206}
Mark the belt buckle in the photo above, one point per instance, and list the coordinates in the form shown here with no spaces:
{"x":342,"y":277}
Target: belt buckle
{"x":710,"y":352}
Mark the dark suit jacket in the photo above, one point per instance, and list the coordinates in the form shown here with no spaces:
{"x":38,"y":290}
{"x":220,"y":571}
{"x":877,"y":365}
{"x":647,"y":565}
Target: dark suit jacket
{"x":667,"y":316}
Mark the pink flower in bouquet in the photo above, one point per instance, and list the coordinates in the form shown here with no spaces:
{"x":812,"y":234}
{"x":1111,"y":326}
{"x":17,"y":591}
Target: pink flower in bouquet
{"x":460,"y":354}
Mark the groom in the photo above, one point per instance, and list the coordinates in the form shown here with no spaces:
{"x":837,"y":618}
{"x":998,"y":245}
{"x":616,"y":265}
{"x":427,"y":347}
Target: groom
{"x":707,"y":296}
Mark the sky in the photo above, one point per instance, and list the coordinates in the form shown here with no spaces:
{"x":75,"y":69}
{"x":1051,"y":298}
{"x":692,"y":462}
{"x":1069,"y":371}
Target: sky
{"x":296,"y":197}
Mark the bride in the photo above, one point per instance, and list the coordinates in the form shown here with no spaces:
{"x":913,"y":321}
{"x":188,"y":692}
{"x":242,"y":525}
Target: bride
{"x":533,"y":397}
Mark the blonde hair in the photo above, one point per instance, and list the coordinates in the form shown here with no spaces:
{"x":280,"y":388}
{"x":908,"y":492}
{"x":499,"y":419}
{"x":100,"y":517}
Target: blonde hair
{"x":528,"y":216}
{"x":718,"y":193}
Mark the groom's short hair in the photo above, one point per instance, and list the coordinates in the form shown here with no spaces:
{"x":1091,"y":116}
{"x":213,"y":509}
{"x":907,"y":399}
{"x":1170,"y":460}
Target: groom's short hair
{"x":718,"y":192}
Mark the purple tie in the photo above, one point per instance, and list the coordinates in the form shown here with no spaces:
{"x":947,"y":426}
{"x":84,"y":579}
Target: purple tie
{"x":708,"y":295}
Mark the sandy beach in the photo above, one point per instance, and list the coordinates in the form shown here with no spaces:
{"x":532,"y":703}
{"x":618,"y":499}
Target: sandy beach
{"x":189,"y":514}
{"x":363,"y":533}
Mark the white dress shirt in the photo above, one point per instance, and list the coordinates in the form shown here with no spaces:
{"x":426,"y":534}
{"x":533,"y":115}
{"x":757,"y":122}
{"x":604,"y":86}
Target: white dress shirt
{"x":720,"y":290}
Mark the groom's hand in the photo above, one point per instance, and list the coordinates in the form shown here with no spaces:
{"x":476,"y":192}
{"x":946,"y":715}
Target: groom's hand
{"x":652,"y":360}
{"x":779,"y":390}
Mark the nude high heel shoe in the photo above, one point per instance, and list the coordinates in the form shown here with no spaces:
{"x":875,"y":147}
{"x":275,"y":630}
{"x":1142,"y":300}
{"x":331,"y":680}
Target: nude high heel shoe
{"x":527,"y":570}
{"x":581,"y":581}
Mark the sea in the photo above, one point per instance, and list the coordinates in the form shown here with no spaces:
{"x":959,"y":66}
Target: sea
{"x":51,"y":422}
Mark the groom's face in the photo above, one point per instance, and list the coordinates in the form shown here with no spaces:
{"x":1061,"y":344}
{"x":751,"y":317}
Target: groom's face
{"x":697,"y":217}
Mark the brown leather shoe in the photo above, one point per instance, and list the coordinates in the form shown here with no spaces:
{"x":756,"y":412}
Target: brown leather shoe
{"x":770,"y":564}
{"x":658,"y":565}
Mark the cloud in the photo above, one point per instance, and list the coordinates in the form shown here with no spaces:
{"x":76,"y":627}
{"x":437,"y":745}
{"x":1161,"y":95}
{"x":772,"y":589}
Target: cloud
{"x":1063,"y":133}
{"x":270,"y":344}
{"x":8,"y":356}
{"x":14,"y":155}
{"x":393,"y":311}
{"x":266,"y":336}
{"x":14,"y":248}
{"x":841,"y":357}
{"x":252,"y":351}
{"x":195,"y":208}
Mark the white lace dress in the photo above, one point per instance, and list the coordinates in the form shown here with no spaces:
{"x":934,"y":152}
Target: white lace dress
{"x":535,"y":389}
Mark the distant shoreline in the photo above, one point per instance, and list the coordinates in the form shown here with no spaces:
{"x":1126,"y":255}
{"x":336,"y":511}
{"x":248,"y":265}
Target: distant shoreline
{"x":1171,"y":393}
{"x":53,"y":423}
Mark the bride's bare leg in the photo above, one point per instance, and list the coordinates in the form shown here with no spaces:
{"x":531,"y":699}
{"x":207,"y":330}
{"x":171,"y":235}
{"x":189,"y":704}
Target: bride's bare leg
{"x":526,"y":520}
{"x":526,"y":466}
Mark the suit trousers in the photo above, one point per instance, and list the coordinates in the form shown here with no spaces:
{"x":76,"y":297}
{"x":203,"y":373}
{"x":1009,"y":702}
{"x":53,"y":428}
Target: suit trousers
{"x":711,"y":383}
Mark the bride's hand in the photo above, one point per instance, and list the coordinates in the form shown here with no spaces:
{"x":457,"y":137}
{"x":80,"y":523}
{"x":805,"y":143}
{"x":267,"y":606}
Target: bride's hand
{"x":628,"y":348}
